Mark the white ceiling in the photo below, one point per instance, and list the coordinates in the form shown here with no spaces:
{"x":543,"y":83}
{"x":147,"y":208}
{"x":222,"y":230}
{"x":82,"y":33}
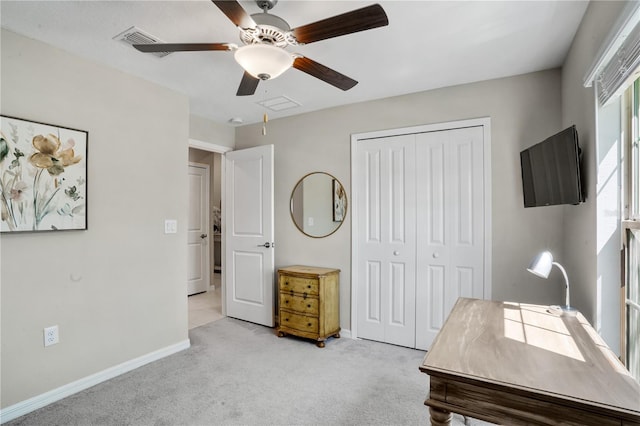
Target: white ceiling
{"x":427,"y":45}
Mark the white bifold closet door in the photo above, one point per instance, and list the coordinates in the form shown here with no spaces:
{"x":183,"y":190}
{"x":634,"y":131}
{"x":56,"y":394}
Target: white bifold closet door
{"x":421,"y":232}
{"x":387,"y":226}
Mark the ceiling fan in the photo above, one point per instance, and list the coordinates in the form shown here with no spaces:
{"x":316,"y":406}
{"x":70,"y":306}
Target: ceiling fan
{"x":264,"y":37}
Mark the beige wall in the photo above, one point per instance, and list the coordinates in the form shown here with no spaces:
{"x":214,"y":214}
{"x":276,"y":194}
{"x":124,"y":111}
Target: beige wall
{"x":205,"y":130}
{"x":579,"y":222}
{"x":523,"y":110}
{"x":117,"y":290}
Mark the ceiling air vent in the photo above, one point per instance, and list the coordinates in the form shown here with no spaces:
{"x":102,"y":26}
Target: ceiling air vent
{"x":135,"y":35}
{"x":279,"y":104}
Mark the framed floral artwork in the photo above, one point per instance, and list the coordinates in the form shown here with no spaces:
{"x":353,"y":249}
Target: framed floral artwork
{"x":43,"y":176}
{"x":339,"y":201}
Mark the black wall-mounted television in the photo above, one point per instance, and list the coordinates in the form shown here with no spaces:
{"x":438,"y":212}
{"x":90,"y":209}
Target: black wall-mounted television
{"x":551,"y":171}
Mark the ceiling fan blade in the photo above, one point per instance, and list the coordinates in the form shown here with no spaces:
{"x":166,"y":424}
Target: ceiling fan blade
{"x":325,"y":74}
{"x":235,"y":13}
{"x":248,"y":85}
{"x":182,"y":47}
{"x":351,"y":22}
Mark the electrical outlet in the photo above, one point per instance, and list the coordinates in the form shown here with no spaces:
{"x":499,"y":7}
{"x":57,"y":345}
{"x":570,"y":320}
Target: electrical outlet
{"x":51,"y":336}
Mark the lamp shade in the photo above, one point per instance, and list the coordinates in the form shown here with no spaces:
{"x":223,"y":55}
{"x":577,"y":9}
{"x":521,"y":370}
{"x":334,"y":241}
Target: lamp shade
{"x":263,"y":61}
{"x":541,"y":264}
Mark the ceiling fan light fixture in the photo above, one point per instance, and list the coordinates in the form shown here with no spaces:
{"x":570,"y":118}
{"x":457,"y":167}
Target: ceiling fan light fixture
{"x":263,"y":61}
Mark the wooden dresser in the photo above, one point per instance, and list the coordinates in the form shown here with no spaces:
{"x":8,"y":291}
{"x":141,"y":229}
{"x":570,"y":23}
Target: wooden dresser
{"x":309,"y":302}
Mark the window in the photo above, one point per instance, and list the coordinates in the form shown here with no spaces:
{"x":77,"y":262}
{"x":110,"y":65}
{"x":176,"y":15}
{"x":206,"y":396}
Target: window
{"x":615,"y":76}
{"x":631,"y":231}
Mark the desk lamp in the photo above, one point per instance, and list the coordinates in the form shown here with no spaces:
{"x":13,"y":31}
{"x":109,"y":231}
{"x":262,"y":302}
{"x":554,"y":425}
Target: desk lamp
{"x":541,"y":266}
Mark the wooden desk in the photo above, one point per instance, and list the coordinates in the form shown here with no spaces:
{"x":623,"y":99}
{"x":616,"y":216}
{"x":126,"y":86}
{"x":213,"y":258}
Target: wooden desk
{"x":518,"y":364}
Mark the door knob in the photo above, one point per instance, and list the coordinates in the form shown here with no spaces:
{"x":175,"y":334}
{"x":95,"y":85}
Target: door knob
{"x":267,"y":245}
{"x":396,"y":253}
{"x":203,"y":236}
{"x":435,"y":255}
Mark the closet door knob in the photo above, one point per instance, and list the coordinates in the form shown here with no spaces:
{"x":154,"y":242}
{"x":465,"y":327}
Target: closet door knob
{"x":435,"y":255}
{"x":396,"y":253}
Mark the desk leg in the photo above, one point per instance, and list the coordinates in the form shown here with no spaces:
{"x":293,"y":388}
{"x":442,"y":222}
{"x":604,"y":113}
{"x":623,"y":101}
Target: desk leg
{"x":440,"y":417}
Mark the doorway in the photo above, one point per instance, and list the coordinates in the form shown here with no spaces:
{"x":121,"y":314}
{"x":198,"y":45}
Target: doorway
{"x":422,"y":238}
{"x":207,"y":305}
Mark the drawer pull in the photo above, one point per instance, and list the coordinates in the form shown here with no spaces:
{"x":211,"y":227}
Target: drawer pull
{"x":308,"y":306}
{"x":308,"y":324}
{"x":286,"y":319}
{"x":286,"y":301}
{"x":309,"y":286}
{"x":304,"y":295}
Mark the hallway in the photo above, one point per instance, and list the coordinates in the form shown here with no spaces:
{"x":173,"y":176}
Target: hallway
{"x":206,"y":307}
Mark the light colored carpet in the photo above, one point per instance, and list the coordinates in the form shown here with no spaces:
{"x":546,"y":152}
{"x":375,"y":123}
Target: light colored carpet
{"x":241,"y":373}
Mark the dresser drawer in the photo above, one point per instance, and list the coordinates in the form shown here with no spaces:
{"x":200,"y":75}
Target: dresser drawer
{"x":299,"y":322}
{"x":306,"y":305}
{"x":299,"y":285}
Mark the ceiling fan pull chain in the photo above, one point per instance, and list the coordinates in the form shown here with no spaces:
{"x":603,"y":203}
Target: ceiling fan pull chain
{"x":265,"y":119}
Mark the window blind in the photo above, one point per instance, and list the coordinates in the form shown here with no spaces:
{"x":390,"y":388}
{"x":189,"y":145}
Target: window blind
{"x":618,"y":57}
{"x":620,"y":68}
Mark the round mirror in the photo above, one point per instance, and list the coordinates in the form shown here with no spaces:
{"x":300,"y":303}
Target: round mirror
{"x":318,"y":204}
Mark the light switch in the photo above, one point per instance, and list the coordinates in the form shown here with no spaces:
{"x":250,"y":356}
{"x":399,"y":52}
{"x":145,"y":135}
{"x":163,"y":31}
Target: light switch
{"x":170,"y":226}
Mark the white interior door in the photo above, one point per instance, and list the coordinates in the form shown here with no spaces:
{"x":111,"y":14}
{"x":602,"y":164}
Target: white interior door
{"x":249,"y":235}
{"x":450,"y":205}
{"x":198,"y":274}
{"x":387,"y":226}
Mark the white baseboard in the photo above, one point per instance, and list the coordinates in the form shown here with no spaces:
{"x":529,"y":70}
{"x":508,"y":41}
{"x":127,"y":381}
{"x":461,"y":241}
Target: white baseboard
{"x":42,"y":400}
{"x":345,"y":333}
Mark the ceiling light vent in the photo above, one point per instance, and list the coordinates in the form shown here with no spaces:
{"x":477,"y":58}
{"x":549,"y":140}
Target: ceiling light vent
{"x":135,"y":35}
{"x":279,"y":104}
